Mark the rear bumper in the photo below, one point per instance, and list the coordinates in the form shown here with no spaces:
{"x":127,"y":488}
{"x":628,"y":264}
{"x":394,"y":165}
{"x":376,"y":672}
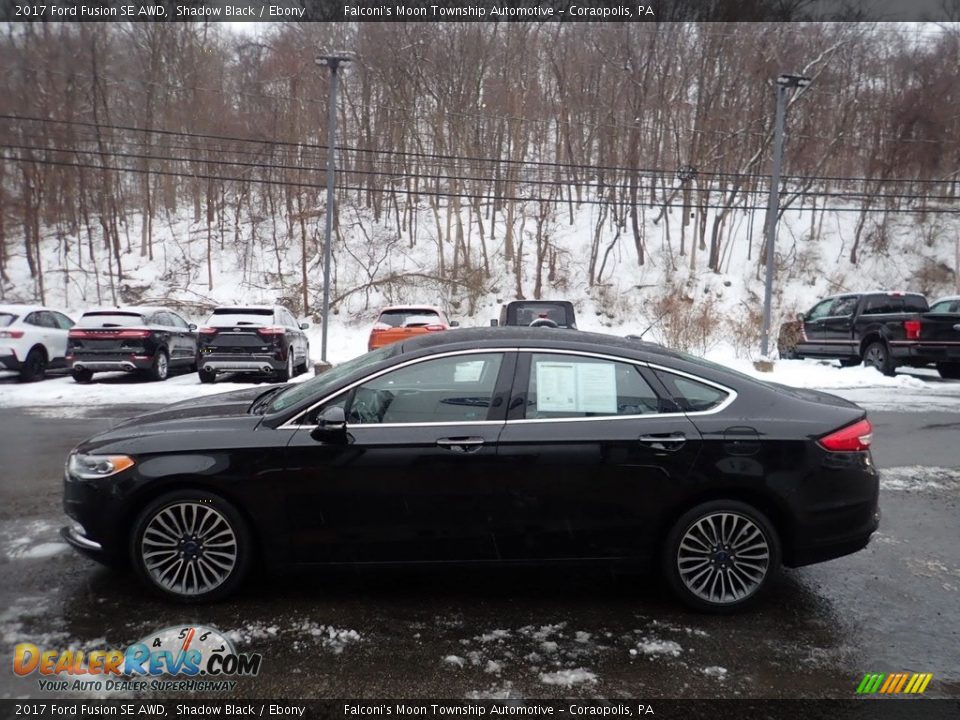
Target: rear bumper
{"x":254,"y":363}
{"x":102,"y":363}
{"x":927,"y":352}
{"x":8,"y":360}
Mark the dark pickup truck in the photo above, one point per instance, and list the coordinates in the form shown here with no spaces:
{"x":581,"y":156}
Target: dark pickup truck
{"x":882,"y":329}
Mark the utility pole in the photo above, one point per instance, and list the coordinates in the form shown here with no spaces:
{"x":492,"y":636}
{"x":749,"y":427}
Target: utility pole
{"x":333,"y":62}
{"x":784,"y":82}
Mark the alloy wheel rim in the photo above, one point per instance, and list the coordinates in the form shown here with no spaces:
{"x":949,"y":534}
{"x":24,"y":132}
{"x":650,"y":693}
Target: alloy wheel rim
{"x":723,"y":558}
{"x":189,"y":548}
{"x":876,"y":357}
{"x":290,"y":363}
{"x":162,"y":366}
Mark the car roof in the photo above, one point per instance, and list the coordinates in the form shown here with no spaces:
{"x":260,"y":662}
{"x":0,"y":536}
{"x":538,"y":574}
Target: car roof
{"x":133,"y":309}
{"x":560,"y":338}
{"x":946,"y":298}
{"x":21,"y":309}
{"x":411,"y":307}
{"x":272,"y":308}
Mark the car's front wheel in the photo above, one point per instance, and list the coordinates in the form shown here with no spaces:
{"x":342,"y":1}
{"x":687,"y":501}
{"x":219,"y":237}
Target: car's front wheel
{"x":720,"y":555}
{"x":191,"y":546}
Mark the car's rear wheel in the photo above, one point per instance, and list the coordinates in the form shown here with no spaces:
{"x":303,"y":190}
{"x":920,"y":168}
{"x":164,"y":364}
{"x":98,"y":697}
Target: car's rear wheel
{"x":287,"y":372}
{"x":720,"y":555}
{"x":34,"y":366}
{"x":877,"y":355}
{"x":82,"y":375}
{"x":191,"y":546}
{"x":949,"y":371}
{"x":160,"y":368}
{"x":208,"y":376}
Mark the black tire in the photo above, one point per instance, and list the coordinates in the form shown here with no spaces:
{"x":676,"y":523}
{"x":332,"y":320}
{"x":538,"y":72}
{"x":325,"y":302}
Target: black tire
{"x":226,"y":526}
{"x":34,"y":366}
{"x":877,"y":355}
{"x":207,"y":376}
{"x":82,"y":375}
{"x":160,"y":369}
{"x":305,"y":365}
{"x":287,"y":372}
{"x":748,"y":527}
{"x":949,"y":371}
{"x":849,"y":362}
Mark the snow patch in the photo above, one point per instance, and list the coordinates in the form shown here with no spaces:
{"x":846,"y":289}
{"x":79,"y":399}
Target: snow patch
{"x":455,"y":660}
{"x":715,"y":671}
{"x":654,"y":646}
{"x":568,"y":678}
{"x":917,"y":478}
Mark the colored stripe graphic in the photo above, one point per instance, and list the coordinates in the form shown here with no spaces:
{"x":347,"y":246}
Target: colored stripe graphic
{"x":894,"y":683}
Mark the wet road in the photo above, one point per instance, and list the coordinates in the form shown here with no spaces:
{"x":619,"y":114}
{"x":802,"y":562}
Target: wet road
{"x":515,"y":633}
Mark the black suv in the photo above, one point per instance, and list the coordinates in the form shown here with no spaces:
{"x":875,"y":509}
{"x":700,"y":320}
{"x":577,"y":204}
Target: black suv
{"x":253,"y":339}
{"x":537,"y":313}
{"x":151,"y":340}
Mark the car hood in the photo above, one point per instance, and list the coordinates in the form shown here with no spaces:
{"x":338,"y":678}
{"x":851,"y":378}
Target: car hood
{"x":182,"y":424}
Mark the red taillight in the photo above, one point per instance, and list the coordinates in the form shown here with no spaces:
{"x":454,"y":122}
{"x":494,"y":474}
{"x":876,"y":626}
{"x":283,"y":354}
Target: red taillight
{"x":271,"y":332}
{"x":76,"y":334}
{"x":108,"y":334}
{"x":853,"y":438}
{"x":208,"y":331}
{"x":133,"y":334}
{"x":434,"y":328}
{"x":912,"y":328}
{"x":15,"y":334}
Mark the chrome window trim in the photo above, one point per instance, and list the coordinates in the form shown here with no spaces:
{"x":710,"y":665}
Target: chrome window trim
{"x":293,"y":423}
{"x":732,"y":394}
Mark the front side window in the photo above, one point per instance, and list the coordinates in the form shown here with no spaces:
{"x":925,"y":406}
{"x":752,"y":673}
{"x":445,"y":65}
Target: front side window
{"x":821,"y":309}
{"x":844,"y":307}
{"x":571,"y":386}
{"x":455,"y":389}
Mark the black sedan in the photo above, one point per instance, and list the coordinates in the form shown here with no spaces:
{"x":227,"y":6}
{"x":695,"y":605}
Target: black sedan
{"x":505,"y":445}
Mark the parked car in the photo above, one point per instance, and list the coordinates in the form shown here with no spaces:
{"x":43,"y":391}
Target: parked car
{"x":402,"y":322}
{"x":253,"y":339}
{"x":148,"y":340}
{"x":33,"y":339}
{"x":485,"y":445}
{"x":940,"y":336}
{"x":881,"y":329}
{"x":537,"y":313}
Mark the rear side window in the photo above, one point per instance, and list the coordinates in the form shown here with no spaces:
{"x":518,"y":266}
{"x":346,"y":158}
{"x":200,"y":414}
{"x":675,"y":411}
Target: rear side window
{"x":7,"y":319}
{"x":692,"y":395}
{"x":914,"y":303}
{"x":414,"y":316}
{"x":570,"y":386}
{"x":236,"y":317}
{"x":107,"y":319}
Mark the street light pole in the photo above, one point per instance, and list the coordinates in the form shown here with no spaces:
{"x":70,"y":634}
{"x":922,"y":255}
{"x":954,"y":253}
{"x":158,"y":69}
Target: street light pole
{"x":784,"y":82}
{"x":333,"y":62}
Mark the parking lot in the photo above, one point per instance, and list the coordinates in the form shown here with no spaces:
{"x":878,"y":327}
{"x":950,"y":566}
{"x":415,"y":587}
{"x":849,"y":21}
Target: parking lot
{"x":515,"y":632}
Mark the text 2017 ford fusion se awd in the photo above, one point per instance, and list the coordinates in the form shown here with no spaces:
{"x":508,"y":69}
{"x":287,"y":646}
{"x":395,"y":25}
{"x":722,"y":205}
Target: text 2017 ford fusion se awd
{"x":482,"y":445}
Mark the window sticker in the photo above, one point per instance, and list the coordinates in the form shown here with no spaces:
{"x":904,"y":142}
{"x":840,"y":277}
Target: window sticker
{"x":576,"y":387}
{"x":468,"y":372}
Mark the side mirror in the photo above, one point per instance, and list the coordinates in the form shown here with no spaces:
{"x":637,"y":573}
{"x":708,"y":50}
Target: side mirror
{"x":801,"y":317}
{"x":454,"y":323}
{"x":331,"y":426}
{"x":304,"y":326}
{"x":192,"y":327}
{"x":494,"y":322}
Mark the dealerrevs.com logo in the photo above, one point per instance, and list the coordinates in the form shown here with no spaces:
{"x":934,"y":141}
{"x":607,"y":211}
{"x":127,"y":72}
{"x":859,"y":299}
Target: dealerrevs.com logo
{"x":901,"y":683}
{"x":177,"y":658}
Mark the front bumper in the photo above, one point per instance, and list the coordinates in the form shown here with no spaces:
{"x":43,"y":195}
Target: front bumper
{"x":103,"y":363}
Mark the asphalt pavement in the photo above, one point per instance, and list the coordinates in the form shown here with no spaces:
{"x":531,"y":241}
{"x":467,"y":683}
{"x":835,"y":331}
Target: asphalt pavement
{"x":533,"y":633}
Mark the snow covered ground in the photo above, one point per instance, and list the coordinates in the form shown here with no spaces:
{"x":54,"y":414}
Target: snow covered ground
{"x":913,"y":390}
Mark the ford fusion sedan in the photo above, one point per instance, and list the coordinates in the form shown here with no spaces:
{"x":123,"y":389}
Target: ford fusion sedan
{"x":148,"y":340}
{"x":485,"y":445}
{"x":33,"y":339}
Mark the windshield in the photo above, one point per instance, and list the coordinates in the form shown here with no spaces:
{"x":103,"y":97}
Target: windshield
{"x":114,"y":319}
{"x":399,"y":318}
{"x":6,"y":319}
{"x":223,"y":317}
{"x":328,"y":380}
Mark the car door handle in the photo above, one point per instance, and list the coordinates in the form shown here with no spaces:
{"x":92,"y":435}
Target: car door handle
{"x":461,"y":444}
{"x":667,"y":442}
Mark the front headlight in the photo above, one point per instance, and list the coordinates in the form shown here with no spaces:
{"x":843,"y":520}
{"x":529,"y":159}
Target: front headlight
{"x":92,"y":467}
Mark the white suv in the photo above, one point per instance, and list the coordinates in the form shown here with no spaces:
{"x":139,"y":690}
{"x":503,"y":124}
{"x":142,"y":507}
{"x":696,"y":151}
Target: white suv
{"x":32,"y":339}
